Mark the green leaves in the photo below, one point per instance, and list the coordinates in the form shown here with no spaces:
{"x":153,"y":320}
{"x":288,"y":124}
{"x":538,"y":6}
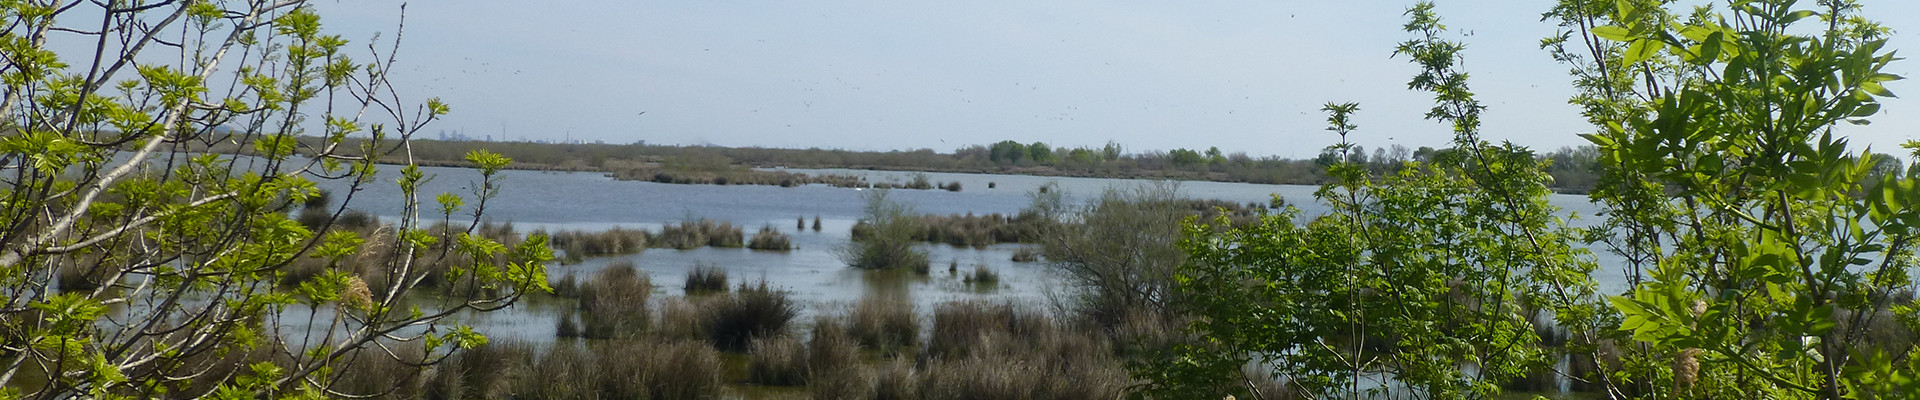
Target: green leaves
{"x":1614,"y":33}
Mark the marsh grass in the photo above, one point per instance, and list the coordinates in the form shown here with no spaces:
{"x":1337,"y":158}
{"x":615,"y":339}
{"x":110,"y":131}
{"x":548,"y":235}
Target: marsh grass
{"x":705,"y":279}
{"x":969,"y":230}
{"x":770,"y":239}
{"x":982,"y":275}
{"x":684,"y":318}
{"x":850,"y":382}
{"x":614,"y":303}
{"x":777,"y":361}
{"x":999,"y":351}
{"x":884,"y":324}
{"x":702,"y":232}
{"x":896,"y":380}
{"x":567,"y":287}
{"x":751,"y":311}
{"x":579,"y":245}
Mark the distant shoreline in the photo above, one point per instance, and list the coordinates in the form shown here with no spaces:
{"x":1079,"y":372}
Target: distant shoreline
{"x":759,"y":166}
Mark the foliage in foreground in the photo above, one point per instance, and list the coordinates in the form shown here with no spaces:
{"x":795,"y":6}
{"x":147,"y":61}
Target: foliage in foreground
{"x":1761,"y":247}
{"x":186,"y":253}
{"x":1760,"y":251}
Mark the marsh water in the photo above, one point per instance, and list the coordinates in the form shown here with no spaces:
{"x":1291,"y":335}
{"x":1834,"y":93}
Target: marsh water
{"x":813,"y":272}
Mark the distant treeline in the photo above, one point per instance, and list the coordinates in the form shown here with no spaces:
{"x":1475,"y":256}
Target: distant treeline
{"x":1572,"y":167}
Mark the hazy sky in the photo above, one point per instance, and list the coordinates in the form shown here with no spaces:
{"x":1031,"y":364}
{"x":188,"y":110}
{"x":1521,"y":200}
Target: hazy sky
{"x":878,"y":75}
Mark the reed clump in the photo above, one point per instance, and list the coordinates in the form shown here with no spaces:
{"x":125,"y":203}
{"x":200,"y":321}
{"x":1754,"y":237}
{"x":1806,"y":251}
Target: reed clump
{"x":770,"y":239}
{"x":699,"y":233}
{"x":896,"y":380}
{"x":831,"y":348}
{"x":777,"y":361}
{"x":751,"y":311}
{"x":998,"y":351}
{"x":982,"y":275}
{"x":579,"y":245}
{"x":684,"y":318}
{"x":614,"y":303}
{"x":969,"y":230}
{"x":885,"y":324}
{"x":704,"y":279}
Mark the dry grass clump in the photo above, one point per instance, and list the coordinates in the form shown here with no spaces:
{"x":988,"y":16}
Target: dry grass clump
{"x":982,"y":275}
{"x":644,"y":369}
{"x":998,"y":351}
{"x":614,"y":303}
{"x":684,"y":319}
{"x":777,"y":361}
{"x":699,"y":233}
{"x":959,"y":327}
{"x":833,"y":363}
{"x":615,"y":241}
{"x":969,"y":230}
{"x":884,"y":324}
{"x":830,"y":347}
{"x":705,"y":278}
{"x":752,"y":311}
{"x":851,"y":382}
{"x":770,"y":239}
{"x":896,"y":380}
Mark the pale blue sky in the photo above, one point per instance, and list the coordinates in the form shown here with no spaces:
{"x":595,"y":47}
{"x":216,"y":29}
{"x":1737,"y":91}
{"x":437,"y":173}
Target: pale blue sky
{"x":878,"y":75}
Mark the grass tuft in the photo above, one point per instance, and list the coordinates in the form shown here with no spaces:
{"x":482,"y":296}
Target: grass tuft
{"x":770,"y":239}
{"x":705,"y":278}
{"x":752,"y":311}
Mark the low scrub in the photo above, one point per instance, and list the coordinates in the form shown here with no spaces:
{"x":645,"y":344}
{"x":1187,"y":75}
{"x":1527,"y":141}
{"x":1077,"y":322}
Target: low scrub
{"x":886,"y":254}
{"x":887,"y":242}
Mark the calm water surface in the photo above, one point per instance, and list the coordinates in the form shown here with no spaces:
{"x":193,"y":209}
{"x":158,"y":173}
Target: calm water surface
{"x":813,"y":272}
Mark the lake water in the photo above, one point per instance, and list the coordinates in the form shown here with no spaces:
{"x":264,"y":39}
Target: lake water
{"x":813,"y":272}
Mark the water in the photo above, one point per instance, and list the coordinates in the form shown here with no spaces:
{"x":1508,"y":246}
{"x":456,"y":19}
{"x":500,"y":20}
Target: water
{"x":813,"y":272}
